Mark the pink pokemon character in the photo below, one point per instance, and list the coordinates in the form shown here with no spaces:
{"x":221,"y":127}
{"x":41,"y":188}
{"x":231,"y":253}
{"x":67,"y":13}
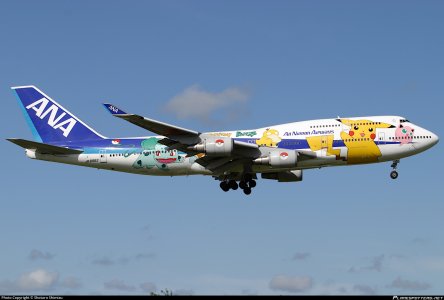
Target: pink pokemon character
{"x":404,"y":134}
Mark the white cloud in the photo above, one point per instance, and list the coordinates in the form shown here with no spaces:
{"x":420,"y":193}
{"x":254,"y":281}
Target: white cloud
{"x":37,"y":280}
{"x":405,"y":284}
{"x":37,"y":254}
{"x":196,"y":103}
{"x":301,"y":256}
{"x":106,"y":261}
{"x":376,"y":265}
{"x":291,"y":284}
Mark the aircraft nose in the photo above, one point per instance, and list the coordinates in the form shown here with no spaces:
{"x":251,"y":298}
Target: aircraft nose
{"x":435,"y":138}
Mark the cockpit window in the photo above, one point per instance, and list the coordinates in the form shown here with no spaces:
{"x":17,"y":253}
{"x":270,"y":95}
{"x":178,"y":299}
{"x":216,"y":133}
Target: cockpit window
{"x":404,"y":120}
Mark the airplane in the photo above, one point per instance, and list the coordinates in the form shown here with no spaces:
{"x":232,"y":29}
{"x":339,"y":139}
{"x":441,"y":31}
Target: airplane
{"x":235,"y":158}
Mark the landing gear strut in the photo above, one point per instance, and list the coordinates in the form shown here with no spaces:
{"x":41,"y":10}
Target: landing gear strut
{"x":394,"y":173}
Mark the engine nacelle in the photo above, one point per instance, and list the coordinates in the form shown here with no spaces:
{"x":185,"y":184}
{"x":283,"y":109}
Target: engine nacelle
{"x":215,"y":146}
{"x":287,"y":176}
{"x":279,"y":159}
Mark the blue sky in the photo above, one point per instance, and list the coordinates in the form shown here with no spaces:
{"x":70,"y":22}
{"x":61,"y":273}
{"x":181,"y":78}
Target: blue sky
{"x":347,"y":230}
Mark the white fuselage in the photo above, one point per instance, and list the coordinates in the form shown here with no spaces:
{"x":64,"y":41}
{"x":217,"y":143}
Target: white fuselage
{"x":330,"y":142}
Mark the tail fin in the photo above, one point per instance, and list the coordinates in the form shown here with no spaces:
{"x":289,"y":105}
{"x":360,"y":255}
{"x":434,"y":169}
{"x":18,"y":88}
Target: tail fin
{"x":48,"y":120}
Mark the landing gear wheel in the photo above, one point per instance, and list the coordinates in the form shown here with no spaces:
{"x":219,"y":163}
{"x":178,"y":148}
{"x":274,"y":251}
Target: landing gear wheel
{"x":224,"y":186}
{"x":242,"y":184}
{"x":394,"y":173}
{"x":233,"y":185}
{"x":247,"y":191}
{"x":251,"y":183}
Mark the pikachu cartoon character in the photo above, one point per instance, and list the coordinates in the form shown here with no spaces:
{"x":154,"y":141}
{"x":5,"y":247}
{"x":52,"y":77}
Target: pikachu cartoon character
{"x":269,"y":138}
{"x":319,"y":142}
{"x":360,"y":140}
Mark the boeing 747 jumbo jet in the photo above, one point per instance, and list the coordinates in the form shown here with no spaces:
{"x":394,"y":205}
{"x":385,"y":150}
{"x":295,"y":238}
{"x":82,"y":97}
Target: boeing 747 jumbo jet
{"x":280,"y":152}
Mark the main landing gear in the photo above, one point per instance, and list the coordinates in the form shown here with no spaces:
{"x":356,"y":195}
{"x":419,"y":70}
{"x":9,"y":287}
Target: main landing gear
{"x":246,"y":184}
{"x":394,"y":173}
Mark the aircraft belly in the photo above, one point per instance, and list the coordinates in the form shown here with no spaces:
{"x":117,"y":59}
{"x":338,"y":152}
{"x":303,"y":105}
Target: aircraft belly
{"x":320,"y":162}
{"x":397,"y":151}
{"x":122,"y":164}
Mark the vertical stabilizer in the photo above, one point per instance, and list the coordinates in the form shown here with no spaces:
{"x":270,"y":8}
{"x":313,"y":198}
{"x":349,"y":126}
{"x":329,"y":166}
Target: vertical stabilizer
{"x":48,"y":120}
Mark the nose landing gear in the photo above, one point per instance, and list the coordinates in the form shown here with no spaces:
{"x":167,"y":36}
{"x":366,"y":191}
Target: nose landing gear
{"x":394,"y":173}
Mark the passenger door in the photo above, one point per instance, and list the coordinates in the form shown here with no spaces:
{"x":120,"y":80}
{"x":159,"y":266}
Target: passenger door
{"x":102,"y":154}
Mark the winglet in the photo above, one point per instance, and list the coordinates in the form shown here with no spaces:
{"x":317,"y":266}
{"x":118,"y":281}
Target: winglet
{"x":114,"y":110}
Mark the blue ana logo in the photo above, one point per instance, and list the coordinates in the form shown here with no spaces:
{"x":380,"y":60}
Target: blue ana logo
{"x":113,"y":108}
{"x":53,"y":120}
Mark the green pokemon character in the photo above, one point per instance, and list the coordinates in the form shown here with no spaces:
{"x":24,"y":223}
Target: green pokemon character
{"x":156,"y":155}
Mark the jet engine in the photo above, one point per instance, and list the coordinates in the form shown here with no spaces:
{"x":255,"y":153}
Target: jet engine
{"x":278,"y":159}
{"x":215,"y":146}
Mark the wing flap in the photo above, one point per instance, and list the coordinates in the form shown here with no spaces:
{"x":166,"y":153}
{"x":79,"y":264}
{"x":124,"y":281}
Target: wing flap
{"x":44,"y":148}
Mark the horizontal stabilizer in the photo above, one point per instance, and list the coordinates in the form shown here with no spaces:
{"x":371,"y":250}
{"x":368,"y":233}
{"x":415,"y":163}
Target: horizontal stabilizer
{"x":43,"y":148}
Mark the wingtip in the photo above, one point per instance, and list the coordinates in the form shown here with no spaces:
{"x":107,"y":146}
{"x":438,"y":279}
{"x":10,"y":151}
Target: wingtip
{"x":114,"y":110}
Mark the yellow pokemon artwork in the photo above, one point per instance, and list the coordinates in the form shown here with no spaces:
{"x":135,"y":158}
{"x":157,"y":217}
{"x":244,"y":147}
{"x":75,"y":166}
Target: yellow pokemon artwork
{"x":269,"y":138}
{"x":323,"y":141}
{"x":360,"y":140}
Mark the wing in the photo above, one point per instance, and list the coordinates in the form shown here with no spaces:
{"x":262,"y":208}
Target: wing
{"x":44,"y":148}
{"x":238,"y":158}
{"x":177,"y":137}
{"x":184,"y":139}
{"x":175,"y":133}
